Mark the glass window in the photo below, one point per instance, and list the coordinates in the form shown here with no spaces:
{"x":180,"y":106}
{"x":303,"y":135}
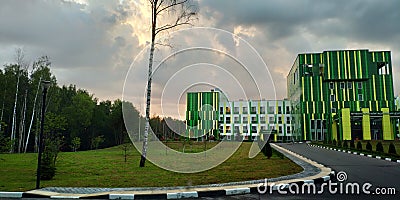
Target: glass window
{"x":236,"y":109}
{"x":262,"y":119}
{"x":279,"y":109}
{"x":332,"y":97}
{"x":271,"y":110}
{"x":360,"y":97}
{"x":253,"y":109}
{"x":244,"y":109}
{"x":342,"y":85}
{"x":333,"y":110}
{"x":262,"y":110}
{"x":349,"y":85}
{"x":359,"y":85}
{"x":271,"y":120}
{"x":331,"y":85}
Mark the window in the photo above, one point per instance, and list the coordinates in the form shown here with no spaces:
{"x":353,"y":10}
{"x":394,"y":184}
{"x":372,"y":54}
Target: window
{"x":280,"y":129}
{"x":287,"y":110}
{"x":253,"y":109}
{"x":262,"y":128}
{"x":333,"y":110}
{"x":262,"y":110}
{"x":288,"y":129}
{"x":288,"y":120}
{"x":271,"y":120}
{"x":254,"y":129}
{"x":279,"y":120}
{"x":236,"y":129}
{"x":279,"y":109}
{"x":253,"y":119}
{"x":342,"y":85}
{"x":245,"y":121}
{"x":237,"y":120}
{"x":236,"y":109}
{"x":271,"y":110}
{"x":360,"y":97}
{"x":262,"y":119}
{"x":332,"y":97}
{"x":228,"y":119}
{"x":228,"y":137}
{"x":349,"y":85}
{"x":359,"y":85}
{"x":244,"y":110}
{"x":383,"y":68}
{"x":228,"y":110}
{"x":245,"y":129}
{"x":331,"y":85}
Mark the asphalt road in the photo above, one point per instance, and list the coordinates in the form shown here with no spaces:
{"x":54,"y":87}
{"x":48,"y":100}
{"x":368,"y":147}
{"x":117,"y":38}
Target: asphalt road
{"x":359,"y":169}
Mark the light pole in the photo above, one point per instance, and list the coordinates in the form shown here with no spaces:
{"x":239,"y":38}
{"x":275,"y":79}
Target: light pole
{"x":46,"y":85}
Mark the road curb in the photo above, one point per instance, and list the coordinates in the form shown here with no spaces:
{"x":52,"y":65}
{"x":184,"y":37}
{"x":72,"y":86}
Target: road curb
{"x":355,"y":153}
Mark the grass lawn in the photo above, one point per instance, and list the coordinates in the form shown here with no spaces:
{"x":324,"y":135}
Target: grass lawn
{"x":106,"y":168}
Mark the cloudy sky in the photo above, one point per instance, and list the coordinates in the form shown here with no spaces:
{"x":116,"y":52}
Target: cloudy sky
{"x":92,"y":43}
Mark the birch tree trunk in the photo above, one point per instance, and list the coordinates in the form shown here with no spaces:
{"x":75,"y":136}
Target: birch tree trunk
{"x":33,"y":115}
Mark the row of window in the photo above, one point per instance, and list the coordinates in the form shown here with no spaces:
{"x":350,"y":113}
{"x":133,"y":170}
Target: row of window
{"x":332,"y":97}
{"x":271,"y":120}
{"x":254,"y":129}
{"x":271,"y":109}
{"x":343,"y":85}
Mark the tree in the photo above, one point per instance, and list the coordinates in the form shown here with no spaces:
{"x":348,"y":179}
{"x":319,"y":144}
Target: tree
{"x":359,"y":145}
{"x":97,"y":141}
{"x":368,"y":146}
{"x":75,"y":143}
{"x":379,"y":147}
{"x":392,"y":149}
{"x":184,"y":12}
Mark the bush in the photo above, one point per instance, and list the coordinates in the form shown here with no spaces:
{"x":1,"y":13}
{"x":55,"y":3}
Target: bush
{"x":329,"y":141}
{"x":392,"y":149}
{"x":334,"y":142}
{"x":368,"y":146}
{"x":379,"y":147}
{"x":267,"y":150}
{"x":345,"y":145}
{"x":352,"y":146}
{"x":359,"y":145}
{"x":339,"y":143}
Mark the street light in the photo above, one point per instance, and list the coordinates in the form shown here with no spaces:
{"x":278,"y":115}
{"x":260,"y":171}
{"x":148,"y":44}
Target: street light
{"x":46,"y":85}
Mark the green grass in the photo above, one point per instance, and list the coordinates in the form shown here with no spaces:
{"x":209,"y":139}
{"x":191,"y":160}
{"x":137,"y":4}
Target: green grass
{"x":106,"y":168}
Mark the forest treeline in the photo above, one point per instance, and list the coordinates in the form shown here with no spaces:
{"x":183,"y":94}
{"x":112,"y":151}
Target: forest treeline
{"x":74,"y":118}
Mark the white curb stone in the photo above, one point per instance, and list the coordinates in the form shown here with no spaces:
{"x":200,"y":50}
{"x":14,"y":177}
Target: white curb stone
{"x":181,"y":195}
{"x":237,"y":191}
{"x":64,"y":197}
{"x":10,"y":194}
{"x":122,"y":196}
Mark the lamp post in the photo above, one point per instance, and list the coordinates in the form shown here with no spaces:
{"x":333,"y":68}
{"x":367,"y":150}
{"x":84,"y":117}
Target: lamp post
{"x":46,"y":85}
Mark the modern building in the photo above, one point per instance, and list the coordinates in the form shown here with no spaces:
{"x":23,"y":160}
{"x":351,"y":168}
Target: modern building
{"x":248,"y":119}
{"x":343,"y":95}
{"x":209,"y":113}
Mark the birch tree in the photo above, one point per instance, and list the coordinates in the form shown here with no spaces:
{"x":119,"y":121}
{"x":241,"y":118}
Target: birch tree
{"x":179,"y":12}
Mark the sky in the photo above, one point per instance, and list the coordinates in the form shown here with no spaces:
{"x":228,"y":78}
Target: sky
{"x":93,"y":43}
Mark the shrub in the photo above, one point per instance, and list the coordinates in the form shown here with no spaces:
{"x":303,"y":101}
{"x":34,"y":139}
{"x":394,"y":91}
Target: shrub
{"x":334,"y":142}
{"x":267,"y":150}
{"x":339,"y":143}
{"x":392,"y":149}
{"x":345,"y":145}
{"x":379,"y":147}
{"x":329,"y":141}
{"x":359,"y":145}
{"x":352,"y":146}
{"x":368,"y":146}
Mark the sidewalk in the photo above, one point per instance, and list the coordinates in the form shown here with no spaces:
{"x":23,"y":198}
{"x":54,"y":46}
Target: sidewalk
{"x":312,"y":173}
